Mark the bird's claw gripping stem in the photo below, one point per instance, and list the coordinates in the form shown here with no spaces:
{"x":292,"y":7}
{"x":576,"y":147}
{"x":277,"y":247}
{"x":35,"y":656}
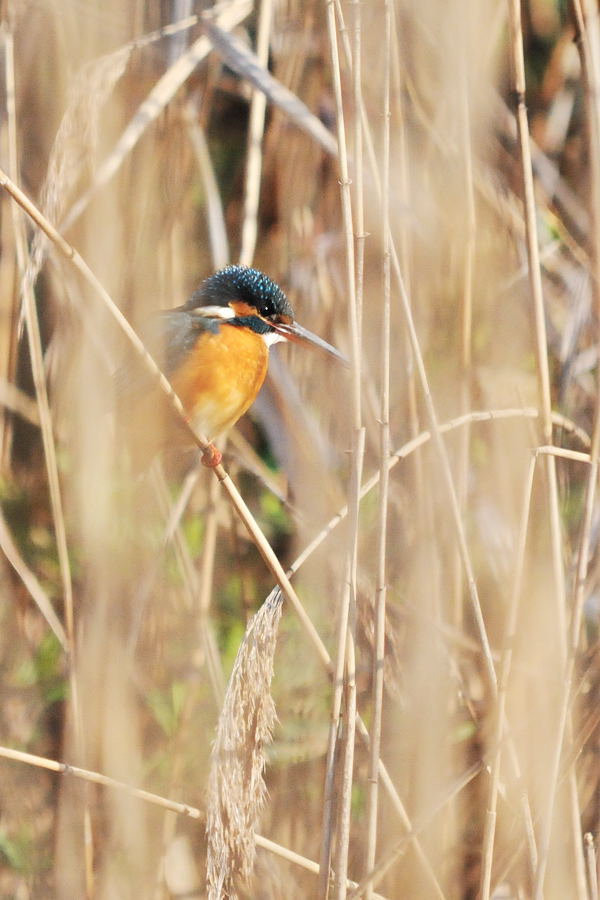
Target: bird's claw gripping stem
{"x":211,"y":457}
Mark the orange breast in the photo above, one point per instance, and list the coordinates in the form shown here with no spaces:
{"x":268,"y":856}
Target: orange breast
{"x":221,"y":377}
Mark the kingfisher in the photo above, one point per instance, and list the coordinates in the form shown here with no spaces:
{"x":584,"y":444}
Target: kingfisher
{"x":215,"y":348}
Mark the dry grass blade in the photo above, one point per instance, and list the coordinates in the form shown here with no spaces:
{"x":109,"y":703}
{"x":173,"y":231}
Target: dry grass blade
{"x":236,"y":786}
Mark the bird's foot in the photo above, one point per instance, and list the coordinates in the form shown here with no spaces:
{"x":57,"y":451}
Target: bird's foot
{"x":211,"y":457}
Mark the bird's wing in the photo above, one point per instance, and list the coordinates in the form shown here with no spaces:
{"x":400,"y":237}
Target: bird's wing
{"x":169,"y":337}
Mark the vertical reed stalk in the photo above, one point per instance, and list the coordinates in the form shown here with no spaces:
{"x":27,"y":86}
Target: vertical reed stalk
{"x":346,"y":639}
{"x":588,"y":15}
{"x":384,"y":454}
{"x":503,"y":678}
{"x":256,"y":127}
{"x":466,"y":351}
{"x":535,"y":280}
{"x":447,"y":475}
{"x":34,"y":341}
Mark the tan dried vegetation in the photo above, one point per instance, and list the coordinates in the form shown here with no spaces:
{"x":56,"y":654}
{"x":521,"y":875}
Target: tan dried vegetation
{"x":413,"y":712}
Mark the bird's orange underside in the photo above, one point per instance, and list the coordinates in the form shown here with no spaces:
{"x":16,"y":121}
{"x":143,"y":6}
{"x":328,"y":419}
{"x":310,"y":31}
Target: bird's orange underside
{"x":221,"y":377}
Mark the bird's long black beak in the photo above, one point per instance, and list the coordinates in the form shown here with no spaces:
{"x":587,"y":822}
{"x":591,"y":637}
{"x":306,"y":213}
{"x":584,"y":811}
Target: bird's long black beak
{"x":299,"y":335}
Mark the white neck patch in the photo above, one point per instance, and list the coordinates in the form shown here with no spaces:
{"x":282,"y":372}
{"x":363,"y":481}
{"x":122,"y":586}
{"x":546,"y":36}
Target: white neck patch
{"x":214,"y":312}
{"x":272,"y":337}
{"x":226,"y":312}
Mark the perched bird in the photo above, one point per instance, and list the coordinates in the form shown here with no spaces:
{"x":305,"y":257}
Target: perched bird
{"x":215,"y":348}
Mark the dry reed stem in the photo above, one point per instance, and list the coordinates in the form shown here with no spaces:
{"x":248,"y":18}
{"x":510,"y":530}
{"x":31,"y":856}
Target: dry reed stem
{"x":346,"y":770}
{"x":217,"y":230}
{"x":198,"y":586}
{"x":412,"y":833}
{"x":237,"y":791}
{"x":539,"y":450}
{"x":500,"y":723}
{"x":37,"y":364}
{"x":243,"y":61}
{"x":466,"y":350}
{"x":213,"y":661}
{"x":75,"y":145}
{"x":38,"y":595}
{"x":46,"y":427}
{"x":239,"y":504}
{"x":62,"y":768}
{"x":410,"y":447}
{"x":354,"y":63}
{"x":26,"y":265}
{"x":201,"y":441}
{"x":256,"y":127}
{"x":229,"y":16}
{"x":171,"y":532}
{"x":487,"y":854}
{"x":518,"y":61}
{"x":182,"y":809}
{"x":391,"y":855}
{"x":537,"y":296}
{"x":430,"y":406}
{"x":327,"y":827}
{"x":448,"y":477}
{"x":7,"y":43}
{"x":379,"y":636}
{"x":299,"y":860}
{"x":346,"y":651}
{"x":592,"y":866}
{"x":588,"y":15}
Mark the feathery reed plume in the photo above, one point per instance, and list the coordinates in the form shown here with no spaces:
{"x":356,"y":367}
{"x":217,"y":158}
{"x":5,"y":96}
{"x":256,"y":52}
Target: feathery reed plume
{"x":236,"y":786}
